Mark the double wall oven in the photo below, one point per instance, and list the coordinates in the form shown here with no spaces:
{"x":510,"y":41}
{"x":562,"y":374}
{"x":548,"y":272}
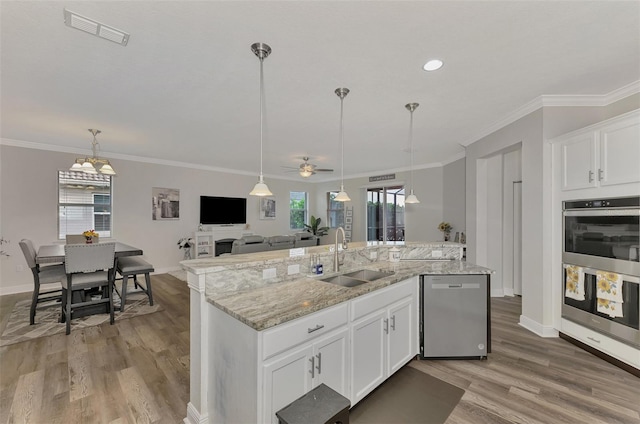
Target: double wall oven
{"x":601,"y":265}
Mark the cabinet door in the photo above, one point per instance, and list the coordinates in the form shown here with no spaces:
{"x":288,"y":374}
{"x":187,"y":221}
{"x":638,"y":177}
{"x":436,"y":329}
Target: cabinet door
{"x":331,"y":362}
{"x":620,"y":153}
{"x":402,"y":334}
{"x":368,"y":344}
{"x":285,"y":380}
{"x":579,"y":162}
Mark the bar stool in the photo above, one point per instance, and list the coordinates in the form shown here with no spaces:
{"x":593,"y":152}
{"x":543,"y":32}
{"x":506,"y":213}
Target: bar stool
{"x":131,"y":266}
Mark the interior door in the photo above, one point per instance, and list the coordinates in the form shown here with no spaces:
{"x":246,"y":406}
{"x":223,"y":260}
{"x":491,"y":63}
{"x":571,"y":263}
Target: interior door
{"x":385,"y":214}
{"x":517,"y":238}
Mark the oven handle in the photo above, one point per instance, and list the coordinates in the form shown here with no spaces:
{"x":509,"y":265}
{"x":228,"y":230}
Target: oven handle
{"x":593,"y":271}
{"x":603,"y":212}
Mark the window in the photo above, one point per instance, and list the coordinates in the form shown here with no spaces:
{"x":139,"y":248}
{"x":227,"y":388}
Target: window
{"x":335,"y":211}
{"x":298,"y":208}
{"x":84,"y":203}
{"x":385,"y":214}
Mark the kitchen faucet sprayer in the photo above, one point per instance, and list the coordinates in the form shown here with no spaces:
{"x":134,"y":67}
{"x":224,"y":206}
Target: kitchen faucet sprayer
{"x":336,"y":259}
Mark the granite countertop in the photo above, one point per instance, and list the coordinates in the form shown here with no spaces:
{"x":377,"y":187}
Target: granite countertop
{"x":267,"y":306}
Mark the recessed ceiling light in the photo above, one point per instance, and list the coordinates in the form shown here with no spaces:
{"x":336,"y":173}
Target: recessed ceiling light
{"x":433,"y":65}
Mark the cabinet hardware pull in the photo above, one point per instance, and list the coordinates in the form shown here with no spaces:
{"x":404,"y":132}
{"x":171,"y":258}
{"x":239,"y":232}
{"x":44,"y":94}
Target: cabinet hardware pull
{"x":318,"y":327}
{"x":455,"y":286}
{"x":594,"y":340}
{"x":386,"y":325}
{"x":393,"y":322}
{"x":319,"y":366}
{"x":590,"y":176}
{"x":600,"y":174}
{"x":312,"y":371}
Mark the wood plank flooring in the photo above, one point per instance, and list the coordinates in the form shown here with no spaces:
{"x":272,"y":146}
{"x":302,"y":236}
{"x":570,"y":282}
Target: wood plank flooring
{"x":137,"y":371}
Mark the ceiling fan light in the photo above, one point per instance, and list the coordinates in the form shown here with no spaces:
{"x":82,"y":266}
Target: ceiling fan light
{"x":411,"y":198}
{"x":260,"y":189}
{"x":305,"y":173}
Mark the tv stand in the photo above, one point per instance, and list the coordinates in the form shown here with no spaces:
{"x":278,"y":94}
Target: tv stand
{"x":205,"y":241}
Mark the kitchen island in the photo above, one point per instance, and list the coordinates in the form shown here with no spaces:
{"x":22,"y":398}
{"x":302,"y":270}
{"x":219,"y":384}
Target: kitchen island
{"x":264,"y":331}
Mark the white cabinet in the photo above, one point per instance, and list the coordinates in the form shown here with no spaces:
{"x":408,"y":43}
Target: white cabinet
{"x":604,"y":154}
{"x":383,"y":336}
{"x":292,"y":374}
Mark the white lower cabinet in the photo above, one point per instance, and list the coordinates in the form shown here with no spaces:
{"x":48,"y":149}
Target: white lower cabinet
{"x":384,"y":339}
{"x":292,"y":374}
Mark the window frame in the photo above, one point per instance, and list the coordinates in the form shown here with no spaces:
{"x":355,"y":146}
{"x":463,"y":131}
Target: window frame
{"x":67,"y":175}
{"x":305,"y":211}
{"x":339,"y":212}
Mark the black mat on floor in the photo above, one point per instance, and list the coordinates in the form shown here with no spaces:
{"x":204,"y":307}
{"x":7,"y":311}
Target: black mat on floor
{"x":408,"y":397}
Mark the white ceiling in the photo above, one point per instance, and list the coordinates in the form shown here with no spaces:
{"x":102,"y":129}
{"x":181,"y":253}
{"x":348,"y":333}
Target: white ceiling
{"x":186,"y":88}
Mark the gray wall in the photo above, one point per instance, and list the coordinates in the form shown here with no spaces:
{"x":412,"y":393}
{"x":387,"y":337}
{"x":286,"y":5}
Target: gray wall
{"x":453,"y":195}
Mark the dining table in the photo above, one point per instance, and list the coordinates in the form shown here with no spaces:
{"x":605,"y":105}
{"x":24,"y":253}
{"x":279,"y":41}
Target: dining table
{"x":54,"y":253}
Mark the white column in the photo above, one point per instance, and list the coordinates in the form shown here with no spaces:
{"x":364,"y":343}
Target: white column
{"x":197,"y":408}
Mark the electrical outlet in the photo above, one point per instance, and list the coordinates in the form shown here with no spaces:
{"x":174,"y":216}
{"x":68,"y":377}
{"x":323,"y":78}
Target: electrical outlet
{"x":293,"y":269}
{"x":436,"y":253}
{"x":373,"y":255}
{"x":268,"y":273}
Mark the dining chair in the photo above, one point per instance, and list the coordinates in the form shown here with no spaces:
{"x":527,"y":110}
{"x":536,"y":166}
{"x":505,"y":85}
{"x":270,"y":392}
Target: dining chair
{"x":87,"y":266}
{"x":42,"y":275}
{"x":132,"y":267}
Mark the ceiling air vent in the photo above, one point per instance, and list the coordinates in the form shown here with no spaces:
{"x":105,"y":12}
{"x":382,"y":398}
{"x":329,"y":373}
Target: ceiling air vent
{"x":73,"y":20}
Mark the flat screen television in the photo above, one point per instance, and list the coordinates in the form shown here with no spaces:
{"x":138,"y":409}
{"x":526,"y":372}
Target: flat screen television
{"x":223,"y":210}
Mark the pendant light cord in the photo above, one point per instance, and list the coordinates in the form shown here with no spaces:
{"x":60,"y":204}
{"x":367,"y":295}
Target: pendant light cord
{"x":342,"y":144}
{"x":261,"y":113}
{"x":411,"y":145}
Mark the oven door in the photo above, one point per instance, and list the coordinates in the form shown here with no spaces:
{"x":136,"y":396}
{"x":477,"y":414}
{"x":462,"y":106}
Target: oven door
{"x":606,"y":239}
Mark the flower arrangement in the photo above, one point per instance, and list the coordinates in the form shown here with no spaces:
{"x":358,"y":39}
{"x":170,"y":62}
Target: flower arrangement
{"x":445,"y":227}
{"x":90,"y":233}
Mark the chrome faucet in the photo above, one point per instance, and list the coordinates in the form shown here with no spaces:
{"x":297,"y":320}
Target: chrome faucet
{"x":336,"y":260}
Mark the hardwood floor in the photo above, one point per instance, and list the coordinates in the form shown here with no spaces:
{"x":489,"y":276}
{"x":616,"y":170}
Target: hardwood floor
{"x":137,"y":371}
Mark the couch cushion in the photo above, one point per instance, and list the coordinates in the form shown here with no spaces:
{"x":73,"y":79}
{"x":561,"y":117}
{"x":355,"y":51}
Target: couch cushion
{"x":250,"y":239}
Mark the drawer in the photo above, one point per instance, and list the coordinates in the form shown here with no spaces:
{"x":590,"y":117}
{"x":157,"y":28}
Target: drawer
{"x":285,"y":336}
{"x":379,"y":299}
{"x":608,"y":345}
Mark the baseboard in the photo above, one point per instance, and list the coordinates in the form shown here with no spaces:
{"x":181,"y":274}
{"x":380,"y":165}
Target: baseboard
{"x":193,"y":416}
{"x":537,"y":328}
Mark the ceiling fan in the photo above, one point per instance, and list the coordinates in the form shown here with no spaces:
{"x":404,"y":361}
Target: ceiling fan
{"x":307,"y":169}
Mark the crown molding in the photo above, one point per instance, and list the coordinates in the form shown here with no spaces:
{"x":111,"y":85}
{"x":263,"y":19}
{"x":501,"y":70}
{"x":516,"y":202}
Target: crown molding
{"x":558,"y":101}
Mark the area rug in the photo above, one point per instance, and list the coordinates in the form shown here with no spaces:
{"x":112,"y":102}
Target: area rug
{"x":48,"y":314}
{"x":408,"y":397}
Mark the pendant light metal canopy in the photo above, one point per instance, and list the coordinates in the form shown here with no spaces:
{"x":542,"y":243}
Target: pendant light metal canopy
{"x":93,"y":164}
{"x":342,"y":195}
{"x":411,"y":198}
{"x":261,"y":50}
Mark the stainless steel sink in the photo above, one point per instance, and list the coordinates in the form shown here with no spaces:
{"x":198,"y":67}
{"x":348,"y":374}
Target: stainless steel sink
{"x":344,"y":281}
{"x":368,"y":274}
{"x":356,"y":278}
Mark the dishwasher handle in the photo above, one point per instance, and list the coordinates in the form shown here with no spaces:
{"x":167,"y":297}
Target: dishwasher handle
{"x":458,"y":286}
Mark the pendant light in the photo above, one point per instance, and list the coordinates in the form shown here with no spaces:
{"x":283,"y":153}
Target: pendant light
{"x":93,"y":164}
{"x":411,"y":198}
{"x":342,"y":195}
{"x":262,"y":51}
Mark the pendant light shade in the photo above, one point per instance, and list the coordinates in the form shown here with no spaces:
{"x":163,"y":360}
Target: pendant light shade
{"x":342,"y":195}
{"x":262,"y":51}
{"x":93,"y":164}
{"x":411,"y":198}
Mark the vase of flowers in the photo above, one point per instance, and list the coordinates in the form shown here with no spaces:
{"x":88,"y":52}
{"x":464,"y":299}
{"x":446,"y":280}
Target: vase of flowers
{"x":446,"y":228}
{"x":90,"y":235}
{"x":186,"y":243}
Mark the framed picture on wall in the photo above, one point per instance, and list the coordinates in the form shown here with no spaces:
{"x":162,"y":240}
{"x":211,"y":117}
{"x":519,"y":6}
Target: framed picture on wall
{"x":347,"y":227}
{"x":348,"y":220}
{"x":350,"y":211}
{"x":165,"y":203}
{"x":267,"y":208}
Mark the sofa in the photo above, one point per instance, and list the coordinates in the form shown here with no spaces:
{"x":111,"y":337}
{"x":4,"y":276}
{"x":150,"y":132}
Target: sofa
{"x":256,"y":243}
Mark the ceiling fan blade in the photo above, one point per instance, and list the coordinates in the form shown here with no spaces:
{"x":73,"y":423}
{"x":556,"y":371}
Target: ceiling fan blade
{"x":323,"y":170}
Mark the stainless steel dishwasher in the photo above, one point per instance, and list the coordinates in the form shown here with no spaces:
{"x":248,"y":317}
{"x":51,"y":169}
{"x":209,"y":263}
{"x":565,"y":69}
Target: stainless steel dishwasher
{"x":454,"y":316}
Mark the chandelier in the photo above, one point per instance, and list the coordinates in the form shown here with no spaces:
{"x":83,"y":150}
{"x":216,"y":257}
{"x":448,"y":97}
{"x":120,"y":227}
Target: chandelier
{"x":93,"y":164}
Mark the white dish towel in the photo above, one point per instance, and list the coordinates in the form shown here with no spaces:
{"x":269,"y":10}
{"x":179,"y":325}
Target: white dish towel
{"x":609,"y":293}
{"x":574,"y":285}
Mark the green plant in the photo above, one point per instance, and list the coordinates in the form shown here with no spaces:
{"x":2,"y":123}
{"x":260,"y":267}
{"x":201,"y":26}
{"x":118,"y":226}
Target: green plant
{"x":315,"y":227}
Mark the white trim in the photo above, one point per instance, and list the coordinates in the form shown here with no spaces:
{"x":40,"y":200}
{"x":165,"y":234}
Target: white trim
{"x":537,"y":328}
{"x":193,"y":416}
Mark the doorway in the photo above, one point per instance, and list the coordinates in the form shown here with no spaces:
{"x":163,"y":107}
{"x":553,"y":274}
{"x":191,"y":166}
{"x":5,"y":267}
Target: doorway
{"x":385,"y":214}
